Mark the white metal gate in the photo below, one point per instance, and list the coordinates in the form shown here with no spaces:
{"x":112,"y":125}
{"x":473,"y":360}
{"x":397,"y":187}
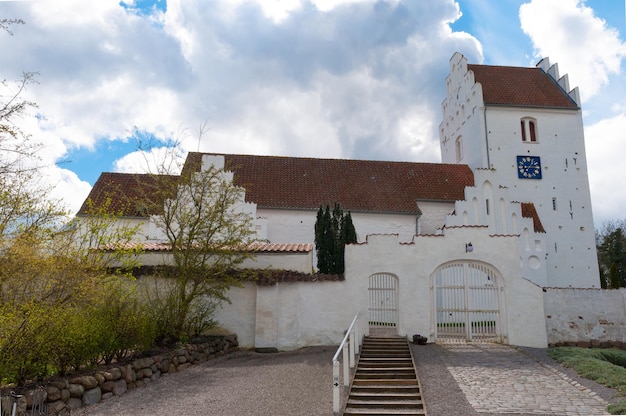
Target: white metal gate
{"x":467,"y":303}
{"x":383,"y":300}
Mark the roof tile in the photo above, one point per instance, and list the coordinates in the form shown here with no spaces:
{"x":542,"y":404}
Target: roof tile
{"x":523,"y":87}
{"x":357,"y":185}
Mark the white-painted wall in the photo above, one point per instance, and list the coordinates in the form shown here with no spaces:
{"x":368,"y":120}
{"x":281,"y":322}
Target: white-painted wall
{"x":486,"y":204}
{"x":433,"y":216}
{"x":414,"y":265}
{"x":491,"y":139}
{"x":298,"y":226}
{"x":574,"y":315}
{"x":291,"y":315}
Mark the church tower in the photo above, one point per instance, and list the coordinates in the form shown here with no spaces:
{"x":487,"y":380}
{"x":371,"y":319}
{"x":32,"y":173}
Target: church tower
{"x":524,"y":125}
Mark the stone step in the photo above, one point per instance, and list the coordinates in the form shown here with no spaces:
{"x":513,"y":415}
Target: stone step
{"x":384,"y":388}
{"x":386,"y":404}
{"x":385,"y":381}
{"x":401,"y":372}
{"x":382,"y":412}
{"x":383,"y":395}
{"x":388,"y":354}
{"x":399,"y":362}
{"x":400,"y":407}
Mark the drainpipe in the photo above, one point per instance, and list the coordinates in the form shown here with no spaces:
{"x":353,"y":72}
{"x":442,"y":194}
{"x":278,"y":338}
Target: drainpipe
{"x":486,"y":137}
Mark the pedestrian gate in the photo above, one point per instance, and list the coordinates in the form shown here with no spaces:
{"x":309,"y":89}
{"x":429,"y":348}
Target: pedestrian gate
{"x":383,"y":300}
{"x":467,"y":303}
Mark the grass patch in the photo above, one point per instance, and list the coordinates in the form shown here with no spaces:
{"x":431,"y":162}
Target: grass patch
{"x":604,"y":366}
{"x":617,"y":408}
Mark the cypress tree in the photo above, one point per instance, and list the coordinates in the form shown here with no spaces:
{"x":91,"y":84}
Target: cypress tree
{"x":332,"y":232}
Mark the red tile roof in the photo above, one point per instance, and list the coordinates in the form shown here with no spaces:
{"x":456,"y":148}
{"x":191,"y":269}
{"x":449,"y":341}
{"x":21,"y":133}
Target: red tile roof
{"x":357,"y":185}
{"x":302,"y":183}
{"x":520,"y":87}
{"x":130,"y":194}
{"x":529,"y":211}
{"x":253,"y":248}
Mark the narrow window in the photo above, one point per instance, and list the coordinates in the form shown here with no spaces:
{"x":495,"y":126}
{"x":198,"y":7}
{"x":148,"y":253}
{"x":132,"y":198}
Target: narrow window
{"x":459,"y":148}
{"x":487,"y":205}
{"x":553,"y":204}
{"x":531,"y":127}
{"x":528,"y":128}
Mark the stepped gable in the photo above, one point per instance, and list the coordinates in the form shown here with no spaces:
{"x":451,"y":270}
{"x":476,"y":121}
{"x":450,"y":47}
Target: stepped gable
{"x":357,"y":185}
{"x":520,"y":87}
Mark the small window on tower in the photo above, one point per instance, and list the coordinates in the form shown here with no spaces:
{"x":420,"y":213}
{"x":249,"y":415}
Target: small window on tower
{"x":529,"y":129}
{"x":459,"y":148}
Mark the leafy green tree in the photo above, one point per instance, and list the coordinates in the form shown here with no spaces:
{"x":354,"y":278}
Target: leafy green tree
{"x":52,"y":282}
{"x":614,"y":277}
{"x":611,"y":247}
{"x":208,"y":231}
{"x":332,"y":232}
{"x":324,"y":241}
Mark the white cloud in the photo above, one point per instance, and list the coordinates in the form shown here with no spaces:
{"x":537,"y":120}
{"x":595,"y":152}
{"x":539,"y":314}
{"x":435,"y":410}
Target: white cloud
{"x":352,"y":78}
{"x":157,"y":160}
{"x":605,"y":149}
{"x":570,"y":34}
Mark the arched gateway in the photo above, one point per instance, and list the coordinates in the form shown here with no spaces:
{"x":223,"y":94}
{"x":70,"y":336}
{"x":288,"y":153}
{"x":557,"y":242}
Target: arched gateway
{"x":383,"y":301}
{"x":468,"y":303}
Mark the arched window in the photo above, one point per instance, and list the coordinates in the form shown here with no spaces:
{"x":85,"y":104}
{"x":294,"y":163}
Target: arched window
{"x":528,"y":126}
{"x":458,"y":145}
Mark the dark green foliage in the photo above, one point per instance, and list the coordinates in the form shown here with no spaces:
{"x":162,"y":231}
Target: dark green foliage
{"x":614,"y":279}
{"x":332,"y":232}
{"x":605,"y":366}
{"x":618,"y":408}
{"x":611,"y":246}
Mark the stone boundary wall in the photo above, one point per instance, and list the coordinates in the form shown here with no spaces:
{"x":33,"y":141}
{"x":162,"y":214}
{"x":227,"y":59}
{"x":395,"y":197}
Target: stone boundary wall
{"x":115,"y":380}
{"x":585,"y":317}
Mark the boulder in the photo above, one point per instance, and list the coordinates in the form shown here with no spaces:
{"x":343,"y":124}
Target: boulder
{"x":92,"y":396}
{"x":88,"y":382}
{"x":54,"y":393}
{"x":76,"y":390}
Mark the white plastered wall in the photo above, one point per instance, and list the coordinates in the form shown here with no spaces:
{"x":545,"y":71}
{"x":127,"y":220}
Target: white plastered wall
{"x":414,"y":264}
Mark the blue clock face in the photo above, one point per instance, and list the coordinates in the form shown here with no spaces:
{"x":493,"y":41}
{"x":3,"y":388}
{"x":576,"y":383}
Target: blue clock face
{"x":528,"y":167}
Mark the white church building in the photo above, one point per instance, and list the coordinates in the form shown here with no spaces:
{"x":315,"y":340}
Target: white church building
{"x":461,"y":250}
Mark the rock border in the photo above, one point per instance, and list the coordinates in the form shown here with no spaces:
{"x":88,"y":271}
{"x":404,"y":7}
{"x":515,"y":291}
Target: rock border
{"x":115,"y":380}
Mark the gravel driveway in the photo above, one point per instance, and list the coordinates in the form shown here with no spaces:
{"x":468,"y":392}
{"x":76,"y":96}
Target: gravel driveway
{"x":241,"y":383}
{"x":288,"y":383}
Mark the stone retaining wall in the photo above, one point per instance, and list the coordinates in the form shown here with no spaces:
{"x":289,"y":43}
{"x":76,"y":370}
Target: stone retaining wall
{"x":585,"y":317}
{"x":91,"y":388}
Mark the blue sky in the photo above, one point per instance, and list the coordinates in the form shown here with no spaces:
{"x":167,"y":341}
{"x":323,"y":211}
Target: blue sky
{"x":317,"y":78}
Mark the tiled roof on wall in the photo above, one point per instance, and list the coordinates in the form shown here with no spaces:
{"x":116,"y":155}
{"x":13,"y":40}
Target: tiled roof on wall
{"x":252,"y":248}
{"x":128,"y":194}
{"x":357,"y":185}
{"x":299,"y":183}
{"x":529,"y":211}
{"x":523,"y":87}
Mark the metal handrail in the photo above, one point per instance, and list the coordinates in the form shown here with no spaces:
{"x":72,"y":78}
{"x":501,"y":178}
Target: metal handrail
{"x":8,"y":404}
{"x":350,"y":346}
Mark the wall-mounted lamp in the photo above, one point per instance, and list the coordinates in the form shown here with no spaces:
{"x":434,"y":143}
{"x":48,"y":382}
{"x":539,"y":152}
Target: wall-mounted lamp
{"x":469,"y":248}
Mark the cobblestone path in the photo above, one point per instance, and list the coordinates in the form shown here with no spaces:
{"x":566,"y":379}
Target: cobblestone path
{"x":500,"y":379}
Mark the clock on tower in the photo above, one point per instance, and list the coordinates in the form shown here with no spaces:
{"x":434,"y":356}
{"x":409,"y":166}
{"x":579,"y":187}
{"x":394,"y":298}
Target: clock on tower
{"x":528,"y":167}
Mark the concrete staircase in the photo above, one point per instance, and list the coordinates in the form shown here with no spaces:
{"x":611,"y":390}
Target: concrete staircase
{"x":385,"y":381}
